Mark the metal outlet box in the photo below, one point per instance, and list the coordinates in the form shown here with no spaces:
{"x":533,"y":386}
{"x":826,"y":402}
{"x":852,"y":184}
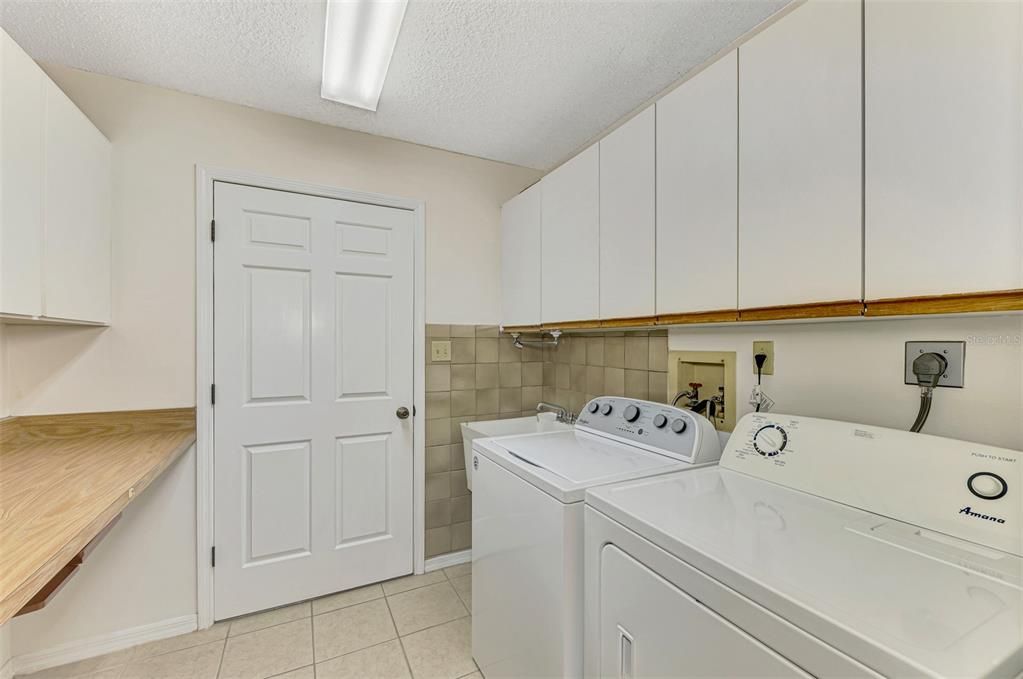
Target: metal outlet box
{"x":954,"y":353}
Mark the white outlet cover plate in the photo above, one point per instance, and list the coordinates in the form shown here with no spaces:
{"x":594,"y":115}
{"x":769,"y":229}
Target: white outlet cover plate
{"x":954,"y":353}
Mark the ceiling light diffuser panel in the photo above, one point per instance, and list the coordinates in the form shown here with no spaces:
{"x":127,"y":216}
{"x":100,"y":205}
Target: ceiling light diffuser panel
{"x":357,"y":48}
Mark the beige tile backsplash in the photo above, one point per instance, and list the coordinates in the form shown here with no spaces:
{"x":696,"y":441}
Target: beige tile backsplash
{"x":489,"y":379}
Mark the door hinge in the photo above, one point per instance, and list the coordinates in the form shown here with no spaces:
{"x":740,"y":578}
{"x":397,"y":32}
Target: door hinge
{"x":213,"y":230}
{"x":213,"y":394}
{"x":213,"y":557}
{"x":413,"y":410}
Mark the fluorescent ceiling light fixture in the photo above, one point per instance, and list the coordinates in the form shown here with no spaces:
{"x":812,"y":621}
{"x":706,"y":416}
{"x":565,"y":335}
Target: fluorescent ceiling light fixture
{"x":357,"y":48}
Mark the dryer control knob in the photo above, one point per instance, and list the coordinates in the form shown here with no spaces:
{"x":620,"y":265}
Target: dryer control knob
{"x":678,"y":426}
{"x":660,"y":421}
{"x":593,"y":407}
{"x":631,"y":413}
{"x":607,"y":409}
{"x":770,"y":440}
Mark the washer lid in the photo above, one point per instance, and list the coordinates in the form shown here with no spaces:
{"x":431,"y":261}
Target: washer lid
{"x":899,"y":598}
{"x":564,"y":464}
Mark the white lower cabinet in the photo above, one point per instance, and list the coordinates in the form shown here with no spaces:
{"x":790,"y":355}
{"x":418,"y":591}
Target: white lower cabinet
{"x":800,"y":147}
{"x":570,"y":241}
{"x":944,"y":147}
{"x":627,"y":207}
{"x":55,"y":203}
{"x":697,"y":184}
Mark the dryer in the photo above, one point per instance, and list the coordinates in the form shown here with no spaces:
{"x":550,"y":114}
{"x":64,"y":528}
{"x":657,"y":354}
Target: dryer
{"x":527,"y":524}
{"x":815,"y":548}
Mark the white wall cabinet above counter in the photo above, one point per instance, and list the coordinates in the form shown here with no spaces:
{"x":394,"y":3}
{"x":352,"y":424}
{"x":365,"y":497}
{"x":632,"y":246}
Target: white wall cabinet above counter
{"x":851,"y":158}
{"x":55,"y":203}
{"x":627,"y":230}
{"x":697,"y":185}
{"x":800,"y":148}
{"x":944,"y":147}
{"x":570,"y":239}
{"x":520,"y":258}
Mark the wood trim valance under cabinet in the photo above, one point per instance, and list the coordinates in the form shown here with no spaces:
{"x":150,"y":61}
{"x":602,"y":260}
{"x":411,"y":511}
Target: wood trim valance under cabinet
{"x":998,"y":301}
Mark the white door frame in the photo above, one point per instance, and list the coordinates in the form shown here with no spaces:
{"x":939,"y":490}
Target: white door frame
{"x":205,"y":175}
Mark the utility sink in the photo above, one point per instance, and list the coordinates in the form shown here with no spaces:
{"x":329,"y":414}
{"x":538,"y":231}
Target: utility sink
{"x":534,"y":424}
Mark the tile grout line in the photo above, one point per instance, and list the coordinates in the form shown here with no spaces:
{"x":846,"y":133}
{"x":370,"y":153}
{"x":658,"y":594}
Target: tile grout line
{"x":312,"y":635}
{"x":286,"y":622}
{"x":281,"y":674}
{"x":345,"y":655}
{"x":223,"y":652}
{"x":439,"y":624}
{"x":401,"y":644}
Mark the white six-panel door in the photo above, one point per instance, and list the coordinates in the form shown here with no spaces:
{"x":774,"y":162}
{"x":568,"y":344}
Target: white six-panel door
{"x":313,"y":326}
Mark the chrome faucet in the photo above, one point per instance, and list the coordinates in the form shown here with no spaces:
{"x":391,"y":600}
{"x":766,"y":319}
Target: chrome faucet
{"x":563,"y":414}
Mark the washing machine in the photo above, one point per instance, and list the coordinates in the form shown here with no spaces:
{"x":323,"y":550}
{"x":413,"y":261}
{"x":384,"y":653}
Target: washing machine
{"x":815,"y":548}
{"x":527,"y":524}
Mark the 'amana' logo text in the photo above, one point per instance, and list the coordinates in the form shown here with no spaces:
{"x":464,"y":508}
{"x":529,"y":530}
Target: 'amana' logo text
{"x":968,"y":511}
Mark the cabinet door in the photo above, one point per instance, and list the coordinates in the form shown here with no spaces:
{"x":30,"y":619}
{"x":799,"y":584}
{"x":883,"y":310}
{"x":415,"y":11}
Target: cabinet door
{"x":627,"y":219}
{"x":76,"y":171}
{"x":697,"y":185}
{"x":21,"y":180}
{"x":520,"y":258}
{"x":800,"y":182}
{"x":570,"y":240}
{"x":944,"y":147}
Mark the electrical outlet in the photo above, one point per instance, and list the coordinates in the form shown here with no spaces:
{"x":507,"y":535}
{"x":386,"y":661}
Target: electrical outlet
{"x":764,"y":347}
{"x":954,"y":353}
{"x":440,"y":350}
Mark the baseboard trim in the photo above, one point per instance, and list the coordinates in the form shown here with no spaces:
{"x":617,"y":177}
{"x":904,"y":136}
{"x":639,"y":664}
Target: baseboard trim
{"x":446,"y":560}
{"x":81,"y":649}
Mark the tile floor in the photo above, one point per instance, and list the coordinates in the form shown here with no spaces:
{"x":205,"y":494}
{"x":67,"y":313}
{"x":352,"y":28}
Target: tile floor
{"x":413,"y":627}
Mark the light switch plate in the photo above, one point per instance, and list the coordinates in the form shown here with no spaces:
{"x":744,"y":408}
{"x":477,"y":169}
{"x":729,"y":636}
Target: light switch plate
{"x":764,"y":347}
{"x":440,"y":350}
{"x":954,"y":353}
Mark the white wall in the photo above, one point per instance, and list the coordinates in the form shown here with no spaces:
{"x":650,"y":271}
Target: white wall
{"x":141,"y":573}
{"x":146,"y":358}
{"x":854,"y":371}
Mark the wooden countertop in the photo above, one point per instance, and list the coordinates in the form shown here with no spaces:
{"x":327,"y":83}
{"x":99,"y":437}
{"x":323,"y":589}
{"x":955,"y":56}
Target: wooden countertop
{"x":63,"y":478}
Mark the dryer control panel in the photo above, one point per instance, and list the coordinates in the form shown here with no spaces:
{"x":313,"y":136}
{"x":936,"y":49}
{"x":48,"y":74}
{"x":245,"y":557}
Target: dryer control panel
{"x":967,"y":490}
{"x":657,"y":427}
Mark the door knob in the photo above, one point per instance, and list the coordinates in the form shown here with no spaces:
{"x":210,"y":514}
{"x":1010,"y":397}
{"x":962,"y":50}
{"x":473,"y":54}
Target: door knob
{"x":402,"y":413}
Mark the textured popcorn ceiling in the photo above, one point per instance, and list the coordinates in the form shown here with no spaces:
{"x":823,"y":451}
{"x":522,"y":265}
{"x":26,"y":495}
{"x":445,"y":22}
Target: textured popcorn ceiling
{"x":526,"y":82}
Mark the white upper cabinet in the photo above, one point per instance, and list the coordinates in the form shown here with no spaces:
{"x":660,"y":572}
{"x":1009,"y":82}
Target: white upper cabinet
{"x":697,"y":184}
{"x":54,"y":200}
{"x":944,"y":147}
{"x":76,"y":275}
{"x":570,"y":243}
{"x":800,"y":181}
{"x":21,"y":181}
{"x":520,"y":258}
{"x":627,"y":231}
